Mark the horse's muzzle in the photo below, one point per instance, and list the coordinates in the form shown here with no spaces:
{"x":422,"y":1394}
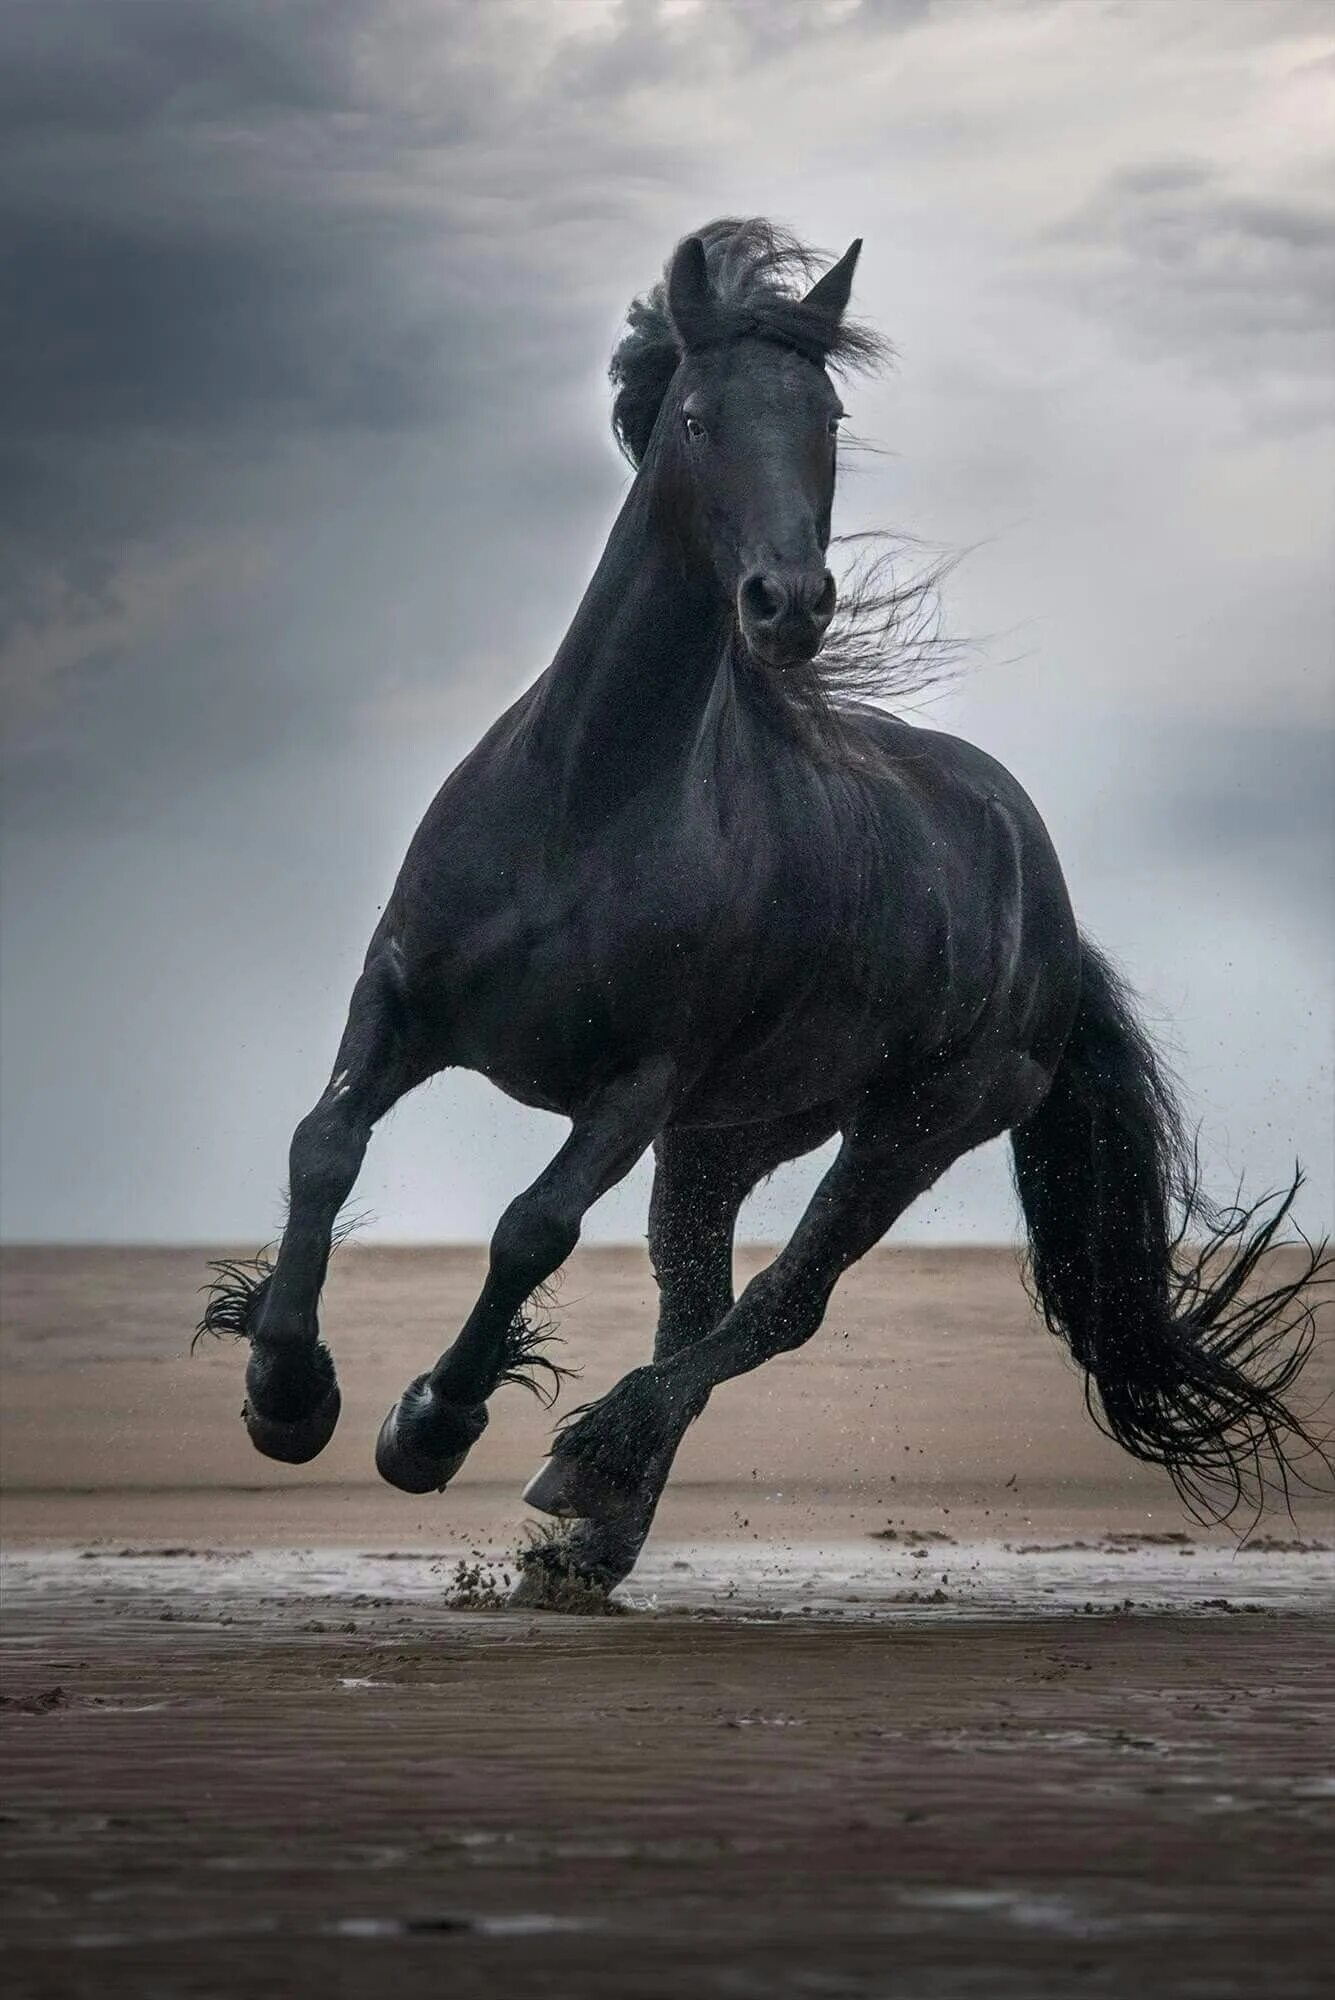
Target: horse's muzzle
{"x":785,"y":614}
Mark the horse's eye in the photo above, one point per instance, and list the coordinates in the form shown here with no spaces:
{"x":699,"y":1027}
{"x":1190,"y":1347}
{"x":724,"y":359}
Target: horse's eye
{"x":695,"y":430}
{"x":835,"y":422}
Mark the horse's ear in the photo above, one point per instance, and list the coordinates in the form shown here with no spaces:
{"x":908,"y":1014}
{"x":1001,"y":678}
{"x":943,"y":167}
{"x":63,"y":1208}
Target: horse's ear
{"x":829,"y":295}
{"x":690,"y":297}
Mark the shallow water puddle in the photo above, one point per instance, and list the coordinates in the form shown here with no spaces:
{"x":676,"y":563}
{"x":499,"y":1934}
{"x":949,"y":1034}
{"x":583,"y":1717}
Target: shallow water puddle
{"x":522,"y":1923}
{"x":871,"y":1581}
{"x":1027,"y":1910}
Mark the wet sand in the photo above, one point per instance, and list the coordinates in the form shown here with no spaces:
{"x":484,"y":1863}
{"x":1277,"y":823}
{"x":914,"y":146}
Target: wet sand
{"x":922,"y":1688}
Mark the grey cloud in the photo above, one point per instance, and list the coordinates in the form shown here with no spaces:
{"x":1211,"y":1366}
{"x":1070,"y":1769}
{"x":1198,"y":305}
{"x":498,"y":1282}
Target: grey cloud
{"x":1259,"y":798}
{"x":642,"y":46}
{"x":1239,"y":285}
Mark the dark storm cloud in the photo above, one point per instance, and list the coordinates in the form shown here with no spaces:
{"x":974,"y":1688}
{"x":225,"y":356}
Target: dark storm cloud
{"x":160,"y":295}
{"x":208,"y":222}
{"x":183,"y":327}
{"x":70,"y":67}
{"x":231,"y":235}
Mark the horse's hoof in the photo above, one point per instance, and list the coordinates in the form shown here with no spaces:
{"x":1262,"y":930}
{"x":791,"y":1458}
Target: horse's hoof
{"x":543,"y":1589}
{"x":577,"y":1565}
{"x":423,"y":1442}
{"x":292,"y":1401}
{"x":565,"y":1569}
{"x":570,"y":1491}
{"x":532,"y":1591}
{"x":298,"y":1441}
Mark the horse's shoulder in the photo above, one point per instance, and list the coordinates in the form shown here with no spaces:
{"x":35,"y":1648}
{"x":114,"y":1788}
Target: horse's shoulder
{"x":939,"y":759}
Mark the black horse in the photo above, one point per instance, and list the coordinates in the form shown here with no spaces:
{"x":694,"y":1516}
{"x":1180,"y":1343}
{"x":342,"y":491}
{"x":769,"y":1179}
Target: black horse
{"x":692,"y":893}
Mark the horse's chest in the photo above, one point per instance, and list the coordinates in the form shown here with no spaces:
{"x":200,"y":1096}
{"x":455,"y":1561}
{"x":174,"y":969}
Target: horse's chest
{"x":569,"y":973}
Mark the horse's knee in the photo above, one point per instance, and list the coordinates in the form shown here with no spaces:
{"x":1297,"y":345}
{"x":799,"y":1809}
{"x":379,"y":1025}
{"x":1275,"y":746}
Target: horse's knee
{"x":532,"y":1239}
{"x":325,"y":1155}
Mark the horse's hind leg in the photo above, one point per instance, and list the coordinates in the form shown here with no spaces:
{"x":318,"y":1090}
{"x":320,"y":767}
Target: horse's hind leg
{"x":890,"y":1155}
{"x":701,"y":1178}
{"x":292,"y":1399}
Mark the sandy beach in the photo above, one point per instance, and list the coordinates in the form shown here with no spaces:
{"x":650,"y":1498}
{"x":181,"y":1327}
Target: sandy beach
{"x":921,"y":1685}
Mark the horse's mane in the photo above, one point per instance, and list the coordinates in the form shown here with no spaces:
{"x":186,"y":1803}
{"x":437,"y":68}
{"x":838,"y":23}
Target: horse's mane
{"x":886,"y":637}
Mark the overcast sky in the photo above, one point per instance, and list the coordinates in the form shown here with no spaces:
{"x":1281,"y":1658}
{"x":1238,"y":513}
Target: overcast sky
{"x":305,"y":462}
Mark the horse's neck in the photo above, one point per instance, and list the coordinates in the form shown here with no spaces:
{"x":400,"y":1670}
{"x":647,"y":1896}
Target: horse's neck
{"x":622,"y":702}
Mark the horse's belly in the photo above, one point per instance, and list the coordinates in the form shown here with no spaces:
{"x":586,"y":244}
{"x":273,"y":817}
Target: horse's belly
{"x":821,"y":1049}
{"x":549,"y":1026}
{"x":785,"y":1011}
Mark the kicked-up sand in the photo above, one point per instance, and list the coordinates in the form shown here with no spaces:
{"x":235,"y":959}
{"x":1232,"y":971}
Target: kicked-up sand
{"x":921,"y":1687}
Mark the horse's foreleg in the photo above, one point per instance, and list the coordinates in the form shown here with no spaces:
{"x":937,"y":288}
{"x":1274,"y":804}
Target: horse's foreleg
{"x":886,"y":1161}
{"x":426,"y":1436}
{"x":701,"y":1179}
{"x":292,"y":1399}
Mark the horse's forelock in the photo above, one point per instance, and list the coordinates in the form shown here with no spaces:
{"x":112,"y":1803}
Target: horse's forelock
{"x":757,"y":276}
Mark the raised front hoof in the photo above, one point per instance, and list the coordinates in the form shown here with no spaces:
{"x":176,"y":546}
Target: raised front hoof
{"x":571,"y":1491}
{"x":292,"y":1402}
{"x":423,"y":1441}
{"x":299,"y":1441}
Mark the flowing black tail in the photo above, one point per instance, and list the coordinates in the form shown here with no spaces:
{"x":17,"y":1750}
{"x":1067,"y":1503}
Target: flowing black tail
{"x":1187,"y":1363}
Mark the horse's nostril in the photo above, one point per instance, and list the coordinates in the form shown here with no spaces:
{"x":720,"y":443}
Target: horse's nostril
{"x":763,"y":598}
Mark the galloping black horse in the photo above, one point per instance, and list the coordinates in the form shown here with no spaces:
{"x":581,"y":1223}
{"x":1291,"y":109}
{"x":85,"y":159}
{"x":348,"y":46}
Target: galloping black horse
{"x":693,"y":894}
